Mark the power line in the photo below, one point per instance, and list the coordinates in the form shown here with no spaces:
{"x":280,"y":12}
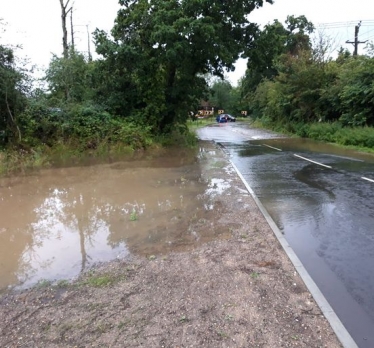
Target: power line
{"x":345,"y":23}
{"x":366,"y":32}
{"x":356,"y":42}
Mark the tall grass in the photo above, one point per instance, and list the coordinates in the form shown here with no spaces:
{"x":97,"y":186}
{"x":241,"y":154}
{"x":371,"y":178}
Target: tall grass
{"x":361,"y":138}
{"x":74,"y":150}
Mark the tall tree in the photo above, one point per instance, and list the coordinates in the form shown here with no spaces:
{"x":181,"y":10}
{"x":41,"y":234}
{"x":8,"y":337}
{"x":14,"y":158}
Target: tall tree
{"x":270,"y":43}
{"x":163,"y":47}
{"x":13,"y":88}
{"x":64,"y":14}
{"x":221,"y":94}
{"x":69,"y":79}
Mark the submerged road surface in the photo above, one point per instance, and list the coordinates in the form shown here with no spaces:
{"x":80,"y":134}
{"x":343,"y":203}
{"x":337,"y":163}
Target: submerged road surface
{"x":322,"y":199}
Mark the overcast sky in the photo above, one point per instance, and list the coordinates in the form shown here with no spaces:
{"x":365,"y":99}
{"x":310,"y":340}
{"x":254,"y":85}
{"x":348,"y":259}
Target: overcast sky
{"x":36,"y":24}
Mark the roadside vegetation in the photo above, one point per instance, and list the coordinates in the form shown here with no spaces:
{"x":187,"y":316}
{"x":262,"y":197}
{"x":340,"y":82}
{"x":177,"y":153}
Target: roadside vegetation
{"x":149,"y":79}
{"x":294,"y":85}
{"x":151,"y":73}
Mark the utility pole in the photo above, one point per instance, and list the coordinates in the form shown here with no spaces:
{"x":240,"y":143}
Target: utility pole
{"x":356,"y":42}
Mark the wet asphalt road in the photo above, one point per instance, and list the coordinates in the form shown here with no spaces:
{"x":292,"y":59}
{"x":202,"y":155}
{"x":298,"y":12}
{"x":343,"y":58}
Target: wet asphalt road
{"x":325,"y":210}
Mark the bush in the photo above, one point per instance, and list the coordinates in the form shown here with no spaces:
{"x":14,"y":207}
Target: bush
{"x":86,"y":125}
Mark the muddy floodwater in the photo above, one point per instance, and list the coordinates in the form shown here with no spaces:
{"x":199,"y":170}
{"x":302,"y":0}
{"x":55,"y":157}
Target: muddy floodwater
{"x":57,"y":222}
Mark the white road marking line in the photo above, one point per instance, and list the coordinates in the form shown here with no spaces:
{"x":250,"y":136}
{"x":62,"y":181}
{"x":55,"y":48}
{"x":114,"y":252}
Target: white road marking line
{"x":367,"y":179}
{"x":272,"y":147}
{"x":309,"y":160}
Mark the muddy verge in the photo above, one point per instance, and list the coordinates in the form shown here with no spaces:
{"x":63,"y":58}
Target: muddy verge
{"x":239,"y":292}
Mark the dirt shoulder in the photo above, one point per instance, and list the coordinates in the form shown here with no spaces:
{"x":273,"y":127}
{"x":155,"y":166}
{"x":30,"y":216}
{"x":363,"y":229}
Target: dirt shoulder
{"x":239,"y":292}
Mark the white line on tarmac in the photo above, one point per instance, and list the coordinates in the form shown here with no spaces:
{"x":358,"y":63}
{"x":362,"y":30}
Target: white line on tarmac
{"x":367,"y":179}
{"x":338,"y":327}
{"x":309,"y":160}
{"x":272,"y":147}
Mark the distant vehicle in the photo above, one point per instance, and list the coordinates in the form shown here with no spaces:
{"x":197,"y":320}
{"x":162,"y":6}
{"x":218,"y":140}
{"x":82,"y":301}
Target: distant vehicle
{"x":221,"y":119}
{"x":229,"y":117}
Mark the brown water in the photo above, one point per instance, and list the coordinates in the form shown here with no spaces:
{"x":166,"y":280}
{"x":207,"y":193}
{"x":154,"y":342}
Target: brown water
{"x":57,"y":222}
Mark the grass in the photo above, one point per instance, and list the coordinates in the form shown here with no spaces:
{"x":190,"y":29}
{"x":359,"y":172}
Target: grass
{"x":255,"y":275}
{"x":99,"y":281}
{"x":62,"y":283}
{"x":223,"y":334}
{"x":14,"y":160}
{"x":354,"y":138}
{"x":200,"y":123}
{"x":133,"y":216}
{"x":25,"y":158}
{"x":43,"y":283}
{"x":183,"y":319}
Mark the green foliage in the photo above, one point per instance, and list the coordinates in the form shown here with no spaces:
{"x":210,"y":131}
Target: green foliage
{"x":309,"y":89}
{"x":220,"y":96}
{"x":226,"y":97}
{"x":161,"y":49}
{"x":271,"y":43}
{"x":70,"y":79}
{"x":88,"y":125}
{"x":99,"y":281}
{"x":13,"y":89}
{"x":356,"y":91}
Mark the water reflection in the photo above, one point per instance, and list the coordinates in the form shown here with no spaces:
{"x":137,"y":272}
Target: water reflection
{"x":56,"y":223}
{"x":326,"y":216}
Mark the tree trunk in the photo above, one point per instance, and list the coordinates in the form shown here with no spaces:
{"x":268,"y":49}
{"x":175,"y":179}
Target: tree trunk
{"x":11,"y":118}
{"x":64,"y":14}
{"x":168,"y":119}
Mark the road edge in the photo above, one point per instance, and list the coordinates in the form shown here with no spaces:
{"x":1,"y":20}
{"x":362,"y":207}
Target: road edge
{"x":341,"y":332}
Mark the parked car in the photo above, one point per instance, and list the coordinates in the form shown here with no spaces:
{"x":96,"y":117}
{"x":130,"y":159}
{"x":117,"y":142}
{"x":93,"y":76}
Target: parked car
{"x":229,"y":117}
{"x":221,"y":119}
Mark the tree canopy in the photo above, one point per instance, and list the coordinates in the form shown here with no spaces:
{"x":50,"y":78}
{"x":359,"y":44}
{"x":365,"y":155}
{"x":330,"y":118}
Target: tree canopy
{"x":161,"y":49}
{"x":272,"y":42}
{"x":13,"y":90}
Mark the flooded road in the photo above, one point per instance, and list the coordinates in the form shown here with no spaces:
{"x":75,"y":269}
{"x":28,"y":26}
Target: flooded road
{"x":57,"y":222}
{"x":322,"y":199}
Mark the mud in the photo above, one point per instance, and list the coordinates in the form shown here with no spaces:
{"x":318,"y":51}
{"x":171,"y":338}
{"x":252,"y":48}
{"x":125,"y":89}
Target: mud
{"x":239,"y":292}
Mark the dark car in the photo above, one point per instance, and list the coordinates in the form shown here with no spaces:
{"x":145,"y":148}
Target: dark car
{"x":221,"y":119}
{"x":229,"y":117}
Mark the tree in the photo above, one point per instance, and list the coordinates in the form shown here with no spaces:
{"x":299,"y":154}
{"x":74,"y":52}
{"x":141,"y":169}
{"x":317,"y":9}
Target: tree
{"x":272,"y":42}
{"x":13,"y":89}
{"x":64,"y":14}
{"x":163,"y":47}
{"x":70,"y":77}
{"x":356,"y":91}
{"x":221,"y":94}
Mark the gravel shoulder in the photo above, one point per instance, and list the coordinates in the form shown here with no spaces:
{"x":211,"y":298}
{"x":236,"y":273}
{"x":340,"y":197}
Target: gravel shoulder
{"x":239,"y":292}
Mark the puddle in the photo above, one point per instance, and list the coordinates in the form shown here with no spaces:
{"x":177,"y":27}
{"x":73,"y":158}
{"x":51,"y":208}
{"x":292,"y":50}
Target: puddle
{"x":57,"y":222}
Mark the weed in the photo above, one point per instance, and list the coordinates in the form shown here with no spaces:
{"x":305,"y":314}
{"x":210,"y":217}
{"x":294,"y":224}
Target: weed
{"x":99,"y":281}
{"x":223,"y":334}
{"x":43,"y":283}
{"x":255,"y":275}
{"x":183,"y":319}
{"x":152,"y":257}
{"x":103,"y":327}
{"x":133,"y":216}
{"x":63,"y":283}
{"x":122,"y":324}
{"x":219,"y":164}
